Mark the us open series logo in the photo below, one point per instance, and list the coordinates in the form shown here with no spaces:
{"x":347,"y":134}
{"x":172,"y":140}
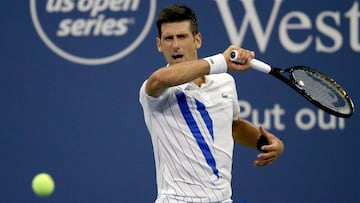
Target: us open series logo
{"x":92,"y":32}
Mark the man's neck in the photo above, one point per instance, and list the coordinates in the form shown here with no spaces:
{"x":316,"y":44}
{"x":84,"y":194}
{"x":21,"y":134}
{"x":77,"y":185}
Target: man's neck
{"x":199,"y":81}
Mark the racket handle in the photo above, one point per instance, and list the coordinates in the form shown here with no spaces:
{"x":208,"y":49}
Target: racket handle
{"x":256,"y":64}
{"x":260,"y":66}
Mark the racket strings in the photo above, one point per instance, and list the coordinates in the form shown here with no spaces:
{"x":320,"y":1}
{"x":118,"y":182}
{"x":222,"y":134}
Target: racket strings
{"x":322,"y":89}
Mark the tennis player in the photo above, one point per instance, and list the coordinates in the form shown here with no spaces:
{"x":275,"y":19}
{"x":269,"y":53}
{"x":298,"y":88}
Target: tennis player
{"x":192,"y":113}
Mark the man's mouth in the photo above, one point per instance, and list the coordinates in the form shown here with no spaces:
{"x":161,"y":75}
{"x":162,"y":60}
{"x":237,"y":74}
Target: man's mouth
{"x":176,"y":57}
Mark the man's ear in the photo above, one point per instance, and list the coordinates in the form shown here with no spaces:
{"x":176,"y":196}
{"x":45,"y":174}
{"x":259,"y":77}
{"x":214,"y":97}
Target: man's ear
{"x":198,"y":40}
{"x":158,"y":45}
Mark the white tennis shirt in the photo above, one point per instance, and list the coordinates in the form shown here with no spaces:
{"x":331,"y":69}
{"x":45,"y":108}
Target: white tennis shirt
{"x":191,"y":133}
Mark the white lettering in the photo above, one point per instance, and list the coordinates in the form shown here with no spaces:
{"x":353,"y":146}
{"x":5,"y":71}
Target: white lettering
{"x":285,"y":26}
{"x":99,"y":6}
{"x":278,"y":112}
{"x":84,"y":5}
{"x":59,"y":6}
{"x":330,"y":125}
{"x":64,"y":28}
{"x":94,"y":7}
{"x":270,"y":116}
{"x":99,"y":26}
{"x":245,"y":109}
{"x":251,"y":18}
{"x":328,"y":38}
{"x":332,"y":33}
{"x":305,"y":119}
{"x":354,"y":14}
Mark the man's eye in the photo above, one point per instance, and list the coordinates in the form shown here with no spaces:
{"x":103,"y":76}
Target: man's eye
{"x":168,"y":38}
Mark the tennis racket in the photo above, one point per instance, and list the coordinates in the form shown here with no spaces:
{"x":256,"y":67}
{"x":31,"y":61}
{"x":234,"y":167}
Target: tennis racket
{"x":316,"y":87}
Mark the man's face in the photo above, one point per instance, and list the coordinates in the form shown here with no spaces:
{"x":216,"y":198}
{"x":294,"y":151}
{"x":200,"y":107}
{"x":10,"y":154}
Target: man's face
{"x":177,"y":42}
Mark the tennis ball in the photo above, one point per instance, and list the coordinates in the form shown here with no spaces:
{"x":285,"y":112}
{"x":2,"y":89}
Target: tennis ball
{"x":43,"y":185}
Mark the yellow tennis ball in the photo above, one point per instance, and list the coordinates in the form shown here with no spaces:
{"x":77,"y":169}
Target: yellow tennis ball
{"x":43,"y":185}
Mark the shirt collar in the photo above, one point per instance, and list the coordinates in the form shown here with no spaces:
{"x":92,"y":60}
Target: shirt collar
{"x":190,"y":85}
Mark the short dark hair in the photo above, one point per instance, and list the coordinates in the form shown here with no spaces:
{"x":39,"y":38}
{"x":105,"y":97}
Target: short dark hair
{"x":177,"y":13}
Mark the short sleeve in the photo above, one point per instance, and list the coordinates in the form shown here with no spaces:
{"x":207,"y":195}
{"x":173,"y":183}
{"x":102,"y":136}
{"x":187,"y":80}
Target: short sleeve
{"x":150,"y":102}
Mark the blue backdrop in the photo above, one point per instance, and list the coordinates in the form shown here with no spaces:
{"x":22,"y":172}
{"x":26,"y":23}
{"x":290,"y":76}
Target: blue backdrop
{"x":69,"y":81}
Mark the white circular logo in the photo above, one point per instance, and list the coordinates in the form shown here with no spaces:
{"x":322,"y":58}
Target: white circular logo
{"x":89,"y":27}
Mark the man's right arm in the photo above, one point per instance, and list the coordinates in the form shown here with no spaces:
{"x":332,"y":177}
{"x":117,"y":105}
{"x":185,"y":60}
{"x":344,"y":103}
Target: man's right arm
{"x":175,"y":75}
{"x":184,"y":72}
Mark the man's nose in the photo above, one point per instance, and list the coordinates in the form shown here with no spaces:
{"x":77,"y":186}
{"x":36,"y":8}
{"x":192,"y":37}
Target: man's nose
{"x":175,"y":42}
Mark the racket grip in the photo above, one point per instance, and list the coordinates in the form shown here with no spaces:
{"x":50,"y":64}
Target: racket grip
{"x":256,"y":64}
{"x":260,"y":66}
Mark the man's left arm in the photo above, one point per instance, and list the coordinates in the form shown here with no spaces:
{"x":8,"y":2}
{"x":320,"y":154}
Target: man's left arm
{"x":246,"y":134}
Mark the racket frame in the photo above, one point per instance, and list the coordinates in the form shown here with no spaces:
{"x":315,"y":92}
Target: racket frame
{"x":279,"y":73}
{"x":290,"y":81}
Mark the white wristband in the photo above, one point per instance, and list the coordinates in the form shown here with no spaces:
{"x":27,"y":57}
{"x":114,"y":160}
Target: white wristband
{"x":217,"y":64}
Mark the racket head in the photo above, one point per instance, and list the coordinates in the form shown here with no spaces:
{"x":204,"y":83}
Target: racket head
{"x":321,"y":90}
